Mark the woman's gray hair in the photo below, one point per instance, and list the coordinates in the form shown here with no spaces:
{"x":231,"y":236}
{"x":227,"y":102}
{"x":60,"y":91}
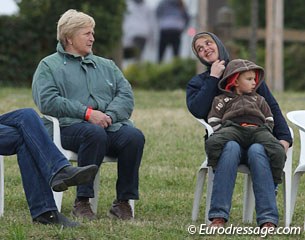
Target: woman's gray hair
{"x":70,"y":22}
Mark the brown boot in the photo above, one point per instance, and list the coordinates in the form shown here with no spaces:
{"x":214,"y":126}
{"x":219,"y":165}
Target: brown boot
{"x":217,"y":223}
{"x":268,"y":225}
{"x":82,"y":209}
{"x":120,"y":209}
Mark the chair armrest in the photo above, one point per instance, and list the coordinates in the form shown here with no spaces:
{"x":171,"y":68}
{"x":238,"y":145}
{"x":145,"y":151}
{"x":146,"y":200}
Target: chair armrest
{"x":206,"y":126}
{"x":291,"y":132}
{"x":56,"y":131}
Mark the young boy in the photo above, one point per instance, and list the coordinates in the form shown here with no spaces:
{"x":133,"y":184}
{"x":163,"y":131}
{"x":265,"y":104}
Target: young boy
{"x":242,"y":115}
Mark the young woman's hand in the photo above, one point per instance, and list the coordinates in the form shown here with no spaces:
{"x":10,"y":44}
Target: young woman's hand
{"x":285,"y":144}
{"x":217,"y":68}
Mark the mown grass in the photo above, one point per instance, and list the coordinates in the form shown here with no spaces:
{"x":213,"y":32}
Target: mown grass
{"x":173,"y":152}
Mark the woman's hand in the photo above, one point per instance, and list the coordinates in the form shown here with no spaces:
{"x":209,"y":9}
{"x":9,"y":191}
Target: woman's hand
{"x":217,"y":68}
{"x":100,"y":118}
{"x":285,"y":144}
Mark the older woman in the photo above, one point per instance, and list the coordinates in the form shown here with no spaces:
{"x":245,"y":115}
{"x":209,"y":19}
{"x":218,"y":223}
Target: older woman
{"x":93,"y":102}
{"x":200,"y":92}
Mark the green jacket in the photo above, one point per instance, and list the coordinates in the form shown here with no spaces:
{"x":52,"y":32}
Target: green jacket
{"x":64,"y":85}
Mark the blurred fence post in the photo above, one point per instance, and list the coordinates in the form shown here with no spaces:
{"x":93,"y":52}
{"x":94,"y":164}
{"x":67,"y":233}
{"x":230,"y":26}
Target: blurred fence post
{"x":224,"y":29}
{"x":274,"y":45}
{"x":202,"y":24}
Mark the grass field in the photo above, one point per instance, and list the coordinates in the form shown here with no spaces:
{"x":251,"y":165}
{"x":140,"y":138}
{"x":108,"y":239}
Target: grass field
{"x":173,"y":152}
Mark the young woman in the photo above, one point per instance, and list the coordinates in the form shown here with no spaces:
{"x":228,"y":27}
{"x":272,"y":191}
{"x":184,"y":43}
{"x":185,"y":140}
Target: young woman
{"x":200,"y":93}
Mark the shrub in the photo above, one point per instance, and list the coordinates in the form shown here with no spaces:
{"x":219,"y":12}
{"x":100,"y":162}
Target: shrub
{"x":293,"y":68}
{"x":168,"y":76}
{"x":31,"y":35}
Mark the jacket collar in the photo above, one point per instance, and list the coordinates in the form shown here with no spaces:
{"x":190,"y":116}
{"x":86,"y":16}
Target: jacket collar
{"x":87,"y":59}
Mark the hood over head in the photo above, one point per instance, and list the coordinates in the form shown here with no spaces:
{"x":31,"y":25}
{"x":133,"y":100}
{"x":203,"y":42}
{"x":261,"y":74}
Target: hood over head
{"x":234,"y":68}
{"x":223,"y":53}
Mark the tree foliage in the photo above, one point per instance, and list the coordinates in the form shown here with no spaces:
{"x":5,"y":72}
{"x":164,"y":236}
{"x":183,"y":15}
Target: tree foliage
{"x":293,"y":18}
{"x":31,"y":35}
{"x":293,"y":13}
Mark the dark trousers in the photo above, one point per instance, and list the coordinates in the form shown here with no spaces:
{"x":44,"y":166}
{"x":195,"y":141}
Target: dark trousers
{"x":136,"y":50}
{"x":170,"y":37}
{"x":92,"y":143}
{"x":22,"y":132}
{"x":246,"y":136}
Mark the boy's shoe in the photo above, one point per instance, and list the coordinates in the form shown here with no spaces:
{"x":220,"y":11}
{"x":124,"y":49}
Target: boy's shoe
{"x":276,"y":189}
{"x":217,"y":223}
{"x":268,"y":225}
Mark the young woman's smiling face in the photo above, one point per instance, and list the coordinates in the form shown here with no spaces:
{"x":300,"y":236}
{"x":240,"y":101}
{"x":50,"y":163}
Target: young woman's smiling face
{"x":207,"y":49}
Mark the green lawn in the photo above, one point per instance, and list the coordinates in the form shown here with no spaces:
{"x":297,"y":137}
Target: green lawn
{"x":173,"y":152}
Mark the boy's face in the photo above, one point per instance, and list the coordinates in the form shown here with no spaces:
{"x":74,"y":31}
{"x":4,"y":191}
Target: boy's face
{"x":207,"y":49}
{"x":245,"y":83}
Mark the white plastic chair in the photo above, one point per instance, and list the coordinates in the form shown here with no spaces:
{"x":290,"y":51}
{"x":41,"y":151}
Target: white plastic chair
{"x":1,"y":186}
{"x":248,"y":199}
{"x":72,"y":156}
{"x":298,"y":119}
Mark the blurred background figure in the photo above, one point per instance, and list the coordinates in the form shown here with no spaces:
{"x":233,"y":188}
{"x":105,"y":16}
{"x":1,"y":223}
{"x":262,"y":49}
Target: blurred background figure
{"x":173,"y":18}
{"x":137,"y":28}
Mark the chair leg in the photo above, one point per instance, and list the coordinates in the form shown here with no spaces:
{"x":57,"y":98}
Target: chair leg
{"x":249,"y":200}
{"x":294,"y":191}
{"x":209,"y":194}
{"x":58,"y":199}
{"x":198,"y":192}
{"x":132,"y":203}
{"x":1,"y":186}
{"x":287,"y":200}
{"x":96,"y":187}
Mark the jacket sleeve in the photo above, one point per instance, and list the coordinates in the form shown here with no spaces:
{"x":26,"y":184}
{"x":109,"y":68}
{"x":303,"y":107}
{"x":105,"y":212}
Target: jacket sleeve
{"x":200,"y":93}
{"x":121,"y":106}
{"x":216,"y":114}
{"x":47,"y":98}
{"x":281,"y":129}
{"x":267,"y":113}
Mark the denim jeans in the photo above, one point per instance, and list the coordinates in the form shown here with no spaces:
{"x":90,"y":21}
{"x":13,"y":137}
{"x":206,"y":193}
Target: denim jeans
{"x":263,"y":185}
{"x":23,"y":133}
{"x":93,"y":142}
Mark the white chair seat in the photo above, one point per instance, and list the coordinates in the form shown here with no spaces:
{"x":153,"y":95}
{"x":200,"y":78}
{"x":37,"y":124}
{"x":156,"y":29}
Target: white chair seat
{"x":72,"y":156}
{"x":248,"y":199}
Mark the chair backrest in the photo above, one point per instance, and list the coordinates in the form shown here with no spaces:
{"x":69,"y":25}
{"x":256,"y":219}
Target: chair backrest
{"x":298,"y":119}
